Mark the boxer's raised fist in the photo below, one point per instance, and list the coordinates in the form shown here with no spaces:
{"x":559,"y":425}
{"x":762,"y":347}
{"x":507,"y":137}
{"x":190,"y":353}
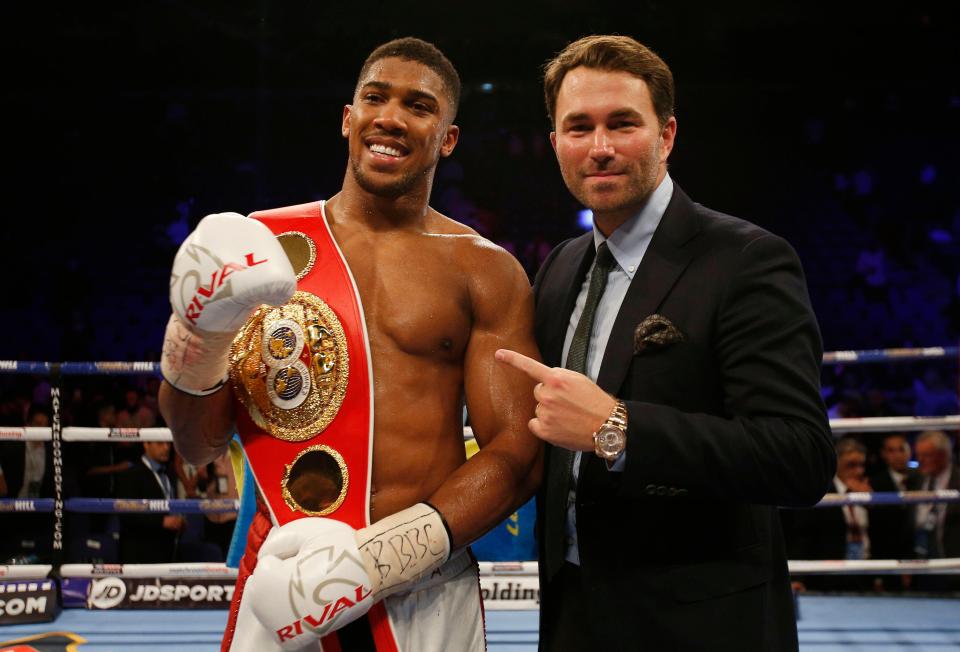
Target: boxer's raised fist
{"x":223,"y":271}
{"x":226,"y":268}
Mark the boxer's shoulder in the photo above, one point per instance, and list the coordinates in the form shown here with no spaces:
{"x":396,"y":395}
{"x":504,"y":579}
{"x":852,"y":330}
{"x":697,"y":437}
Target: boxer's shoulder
{"x":470,"y":250}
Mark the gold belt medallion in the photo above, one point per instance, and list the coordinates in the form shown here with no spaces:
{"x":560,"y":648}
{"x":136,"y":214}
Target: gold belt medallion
{"x":289,"y":366}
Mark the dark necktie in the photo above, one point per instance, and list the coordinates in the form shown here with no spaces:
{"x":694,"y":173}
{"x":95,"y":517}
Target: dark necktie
{"x":561,"y":459}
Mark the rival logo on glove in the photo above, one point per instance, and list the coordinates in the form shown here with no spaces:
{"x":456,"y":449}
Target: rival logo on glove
{"x":194,"y":307}
{"x":330,"y":611}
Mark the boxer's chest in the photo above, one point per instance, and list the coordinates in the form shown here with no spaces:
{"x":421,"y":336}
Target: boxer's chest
{"x":415,"y":299}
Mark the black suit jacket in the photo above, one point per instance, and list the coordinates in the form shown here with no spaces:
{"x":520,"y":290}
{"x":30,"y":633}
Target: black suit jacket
{"x":143,"y":539}
{"x":891,"y":526}
{"x":683,"y":549}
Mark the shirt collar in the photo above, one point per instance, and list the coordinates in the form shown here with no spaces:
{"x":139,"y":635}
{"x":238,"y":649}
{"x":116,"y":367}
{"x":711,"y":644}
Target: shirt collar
{"x":156,"y":466}
{"x":629,"y":242}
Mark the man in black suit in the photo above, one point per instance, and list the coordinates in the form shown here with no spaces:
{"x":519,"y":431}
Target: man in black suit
{"x":689,"y":406}
{"x":149,"y":538}
{"x":891,"y":526}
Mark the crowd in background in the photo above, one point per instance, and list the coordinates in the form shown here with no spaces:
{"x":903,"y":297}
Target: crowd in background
{"x":113,"y":468}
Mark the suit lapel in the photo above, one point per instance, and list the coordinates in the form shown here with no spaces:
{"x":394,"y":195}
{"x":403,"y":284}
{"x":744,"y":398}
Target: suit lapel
{"x":664,"y":261}
{"x":560,"y":292}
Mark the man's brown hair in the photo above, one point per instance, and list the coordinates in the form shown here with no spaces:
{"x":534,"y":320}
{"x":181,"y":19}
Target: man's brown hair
{"x":615,"y":53}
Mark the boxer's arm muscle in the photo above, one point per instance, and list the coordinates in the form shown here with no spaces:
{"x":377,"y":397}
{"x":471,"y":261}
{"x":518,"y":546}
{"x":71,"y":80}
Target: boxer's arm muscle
{"x":201,"y":425}
{"x":507,"y":469}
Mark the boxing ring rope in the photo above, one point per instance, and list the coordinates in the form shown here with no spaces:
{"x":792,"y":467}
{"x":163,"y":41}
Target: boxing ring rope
{"x":487,"y":569}
{"x":226,"y":506}
{"x":890,"y":355}
{"x":865,"y":356}
{"x":75,"y":433}
{"x":506,"y":585}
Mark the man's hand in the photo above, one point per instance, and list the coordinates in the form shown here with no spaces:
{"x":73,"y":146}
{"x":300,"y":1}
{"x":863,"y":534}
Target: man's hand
{"x":859,"y":484}
{"x":570,"y":406}
{"x":174,"y":522}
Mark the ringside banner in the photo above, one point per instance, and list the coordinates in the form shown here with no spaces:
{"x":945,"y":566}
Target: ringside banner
{"x":31,"y":601}
{"x":144,"y":593}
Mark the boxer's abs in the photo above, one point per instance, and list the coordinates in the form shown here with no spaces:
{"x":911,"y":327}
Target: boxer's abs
{"x":418,"y":429}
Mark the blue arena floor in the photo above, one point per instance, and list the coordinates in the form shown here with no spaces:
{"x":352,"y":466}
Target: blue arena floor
{"x":827,"y":624}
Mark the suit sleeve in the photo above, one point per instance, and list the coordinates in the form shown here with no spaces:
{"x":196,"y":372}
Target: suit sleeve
{"x":773,"y":444}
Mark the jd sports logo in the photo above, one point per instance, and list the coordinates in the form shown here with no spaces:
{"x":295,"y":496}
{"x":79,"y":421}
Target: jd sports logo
{"x":107,"y":593}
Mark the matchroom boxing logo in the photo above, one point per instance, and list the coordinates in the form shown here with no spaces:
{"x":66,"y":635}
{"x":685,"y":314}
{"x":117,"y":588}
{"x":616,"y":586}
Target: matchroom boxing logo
{"x":30,"y":601}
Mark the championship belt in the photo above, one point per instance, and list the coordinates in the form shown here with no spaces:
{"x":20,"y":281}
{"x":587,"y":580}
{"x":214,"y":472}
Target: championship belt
{"x":302,"y":373}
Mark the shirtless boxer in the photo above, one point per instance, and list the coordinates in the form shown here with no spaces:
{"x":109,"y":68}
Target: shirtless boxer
{"x":438,"y":301}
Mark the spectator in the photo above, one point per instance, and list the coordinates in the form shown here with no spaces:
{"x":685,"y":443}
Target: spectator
{"x":99,"y":460}
{"x":26,"y":471}
{"x":938,"y":524}
{"x":831,"y":532}
{"x":135,"y":413}
{"x":222,"y":486}
{"x":891,"y":526}
{"x":149,"y":538}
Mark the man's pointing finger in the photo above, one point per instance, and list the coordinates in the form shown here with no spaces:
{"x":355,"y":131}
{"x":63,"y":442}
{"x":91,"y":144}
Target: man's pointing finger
{"x":536,"y":370}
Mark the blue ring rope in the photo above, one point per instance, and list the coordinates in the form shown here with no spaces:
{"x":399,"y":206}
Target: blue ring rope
{"x":214,"y":506}
{"x":866,"y":356}
{"x":121,"y":505}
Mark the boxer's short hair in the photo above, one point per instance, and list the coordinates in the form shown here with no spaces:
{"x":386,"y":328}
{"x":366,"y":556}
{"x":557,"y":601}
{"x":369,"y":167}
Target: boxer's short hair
{"x":414,"y":49}
{"x":613,"y":53}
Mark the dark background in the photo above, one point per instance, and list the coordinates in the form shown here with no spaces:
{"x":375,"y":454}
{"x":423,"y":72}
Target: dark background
{"x":833,"y":124}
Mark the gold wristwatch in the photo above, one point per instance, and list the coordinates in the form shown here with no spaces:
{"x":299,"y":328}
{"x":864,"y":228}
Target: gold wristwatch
{"x":610,"y":440}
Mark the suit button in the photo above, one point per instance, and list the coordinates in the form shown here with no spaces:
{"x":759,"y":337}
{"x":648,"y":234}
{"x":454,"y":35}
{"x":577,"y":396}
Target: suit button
{"x":681,"y":492}
{"x":672,"y":491}
{"x":661,"y":491}
{"x":651,"y":489}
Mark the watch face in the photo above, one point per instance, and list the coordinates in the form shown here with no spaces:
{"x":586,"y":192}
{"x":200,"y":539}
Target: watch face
{"x":610,"y":441}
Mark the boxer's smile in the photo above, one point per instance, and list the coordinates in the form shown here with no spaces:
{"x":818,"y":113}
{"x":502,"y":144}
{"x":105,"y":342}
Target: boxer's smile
{"x":387,"y":150}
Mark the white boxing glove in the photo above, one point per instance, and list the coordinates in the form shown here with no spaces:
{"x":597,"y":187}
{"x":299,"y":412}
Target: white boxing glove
{"x":309,"y":581}
{"x":315,"y":575}
{"x":223,"y":271}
